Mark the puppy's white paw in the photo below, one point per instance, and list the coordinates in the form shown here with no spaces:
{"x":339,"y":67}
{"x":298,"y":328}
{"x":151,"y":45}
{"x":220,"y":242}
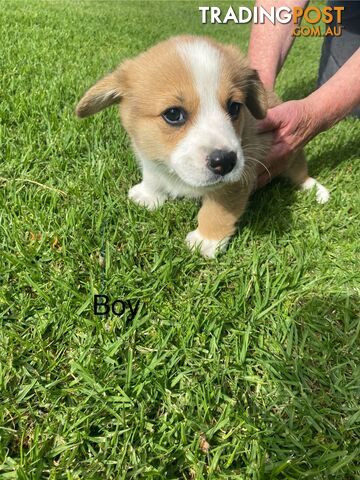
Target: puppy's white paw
{"x":141,"y":195}
{"x":322,"y":193}
{"x":208,"y":248}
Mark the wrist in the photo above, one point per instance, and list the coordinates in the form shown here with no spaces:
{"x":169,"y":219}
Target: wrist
{"x":337,"y":97}
{"x":326,"y":110}
{"x":317,"y":114}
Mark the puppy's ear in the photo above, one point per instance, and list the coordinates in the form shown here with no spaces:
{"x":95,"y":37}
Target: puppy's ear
{"x":248,"y":81}
{"x":256,"y":98}
{"x":104,"y":93}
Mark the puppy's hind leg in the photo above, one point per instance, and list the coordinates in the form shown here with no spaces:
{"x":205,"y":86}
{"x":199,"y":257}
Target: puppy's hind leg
{"x":298,"y":174}
{"x":322,"y":193}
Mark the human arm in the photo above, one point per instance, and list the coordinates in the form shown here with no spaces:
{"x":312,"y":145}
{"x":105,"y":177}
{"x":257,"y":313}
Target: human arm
{"x":269,"y":44}
{"x":296,"y":122}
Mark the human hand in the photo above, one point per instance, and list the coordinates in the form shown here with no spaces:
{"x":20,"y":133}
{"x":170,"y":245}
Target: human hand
{"x":293,"y":124}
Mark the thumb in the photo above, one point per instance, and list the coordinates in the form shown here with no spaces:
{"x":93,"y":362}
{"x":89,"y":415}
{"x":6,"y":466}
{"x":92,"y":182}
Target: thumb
{"x":271,"y":121}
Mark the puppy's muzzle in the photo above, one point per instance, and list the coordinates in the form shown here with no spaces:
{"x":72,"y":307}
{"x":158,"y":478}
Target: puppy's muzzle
{"x":221,"y":162}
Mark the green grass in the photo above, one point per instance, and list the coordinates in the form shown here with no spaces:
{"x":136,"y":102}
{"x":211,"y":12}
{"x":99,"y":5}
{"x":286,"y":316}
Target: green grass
{"x":256,"y":351}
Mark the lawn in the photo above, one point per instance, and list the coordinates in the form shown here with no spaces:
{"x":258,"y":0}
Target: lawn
{"x":242,"y":367}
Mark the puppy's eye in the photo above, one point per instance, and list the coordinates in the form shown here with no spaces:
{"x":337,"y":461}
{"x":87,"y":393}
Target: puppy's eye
{"x":174,"y":116}
{"x":233,"y":109}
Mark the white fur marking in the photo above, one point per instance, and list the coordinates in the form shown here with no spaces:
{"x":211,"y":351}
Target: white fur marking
{"x":322,"y":193}
{"x":208,"y":248}
{"x":141,"y":195}
{"x":204,"y":62}
{"x":212,"y":128}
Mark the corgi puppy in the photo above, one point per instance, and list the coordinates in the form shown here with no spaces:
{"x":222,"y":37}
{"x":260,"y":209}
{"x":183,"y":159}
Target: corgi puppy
{"x":190,"y":105}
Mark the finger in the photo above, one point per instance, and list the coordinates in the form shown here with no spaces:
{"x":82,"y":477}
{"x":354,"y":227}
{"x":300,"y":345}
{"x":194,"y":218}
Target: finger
{"x":279,"y":150}
{"x":270,"y":122}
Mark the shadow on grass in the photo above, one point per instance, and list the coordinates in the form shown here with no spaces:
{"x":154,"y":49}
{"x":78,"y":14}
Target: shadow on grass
{"x":270,"y":209}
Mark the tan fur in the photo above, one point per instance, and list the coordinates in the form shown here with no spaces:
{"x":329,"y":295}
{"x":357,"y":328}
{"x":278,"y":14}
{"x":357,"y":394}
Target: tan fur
{"x":166,"y":83}
{"x":221,"y":210}
{"x":148,"y":85}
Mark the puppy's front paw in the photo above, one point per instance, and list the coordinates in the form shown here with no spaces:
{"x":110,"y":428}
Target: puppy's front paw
{"x":141,"y":195}
{"x":208,"y":248}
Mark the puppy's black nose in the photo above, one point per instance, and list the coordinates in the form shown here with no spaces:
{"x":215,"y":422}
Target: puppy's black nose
{"x":221,"y":162}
